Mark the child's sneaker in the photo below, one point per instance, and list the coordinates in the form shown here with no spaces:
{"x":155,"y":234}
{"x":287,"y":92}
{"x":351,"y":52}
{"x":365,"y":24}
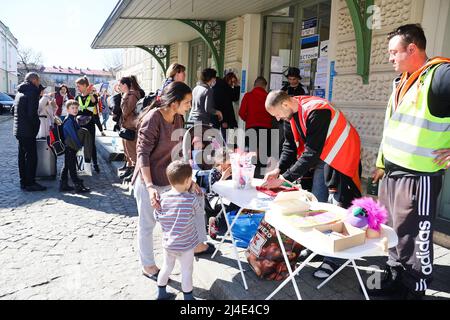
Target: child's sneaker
{"x":213,"y":229}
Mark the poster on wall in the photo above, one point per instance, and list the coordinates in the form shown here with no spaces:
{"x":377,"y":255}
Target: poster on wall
{"x":309,"y":48}
{"x":324,"y":45}
{"x":322,"y":65}
{"x":309,"y":27}
{"x":276,"y":81}
{"x":276,"y":65}
{"x":305,"y":69}
{"x":321,"y":80}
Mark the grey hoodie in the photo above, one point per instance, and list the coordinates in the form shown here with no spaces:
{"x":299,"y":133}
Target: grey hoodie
{"x":203,"y":105}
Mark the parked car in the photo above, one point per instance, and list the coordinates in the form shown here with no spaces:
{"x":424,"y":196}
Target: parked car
{"x":6,"y":102}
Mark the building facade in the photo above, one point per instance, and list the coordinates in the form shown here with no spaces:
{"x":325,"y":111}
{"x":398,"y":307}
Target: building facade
{"x":55,"y":76}
{"x":8,"y":60}
{"x":137,"y":62}
{"x":340,"y":46}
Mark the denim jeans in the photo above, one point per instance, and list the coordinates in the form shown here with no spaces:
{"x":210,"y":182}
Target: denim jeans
{"x":319,"y":189}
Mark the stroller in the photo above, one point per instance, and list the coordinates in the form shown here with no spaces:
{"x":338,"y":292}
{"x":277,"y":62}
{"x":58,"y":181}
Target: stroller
{"x":200,"y":144}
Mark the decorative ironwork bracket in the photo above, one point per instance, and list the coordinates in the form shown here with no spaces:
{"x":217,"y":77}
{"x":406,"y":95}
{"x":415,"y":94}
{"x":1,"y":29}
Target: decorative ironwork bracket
{"x":213,"y":33}
{"x":161,"y":55}
{"x":359,"y":11}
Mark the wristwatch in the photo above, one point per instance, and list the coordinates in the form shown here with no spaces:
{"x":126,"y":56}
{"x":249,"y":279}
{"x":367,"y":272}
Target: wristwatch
{"x":149,"y":185}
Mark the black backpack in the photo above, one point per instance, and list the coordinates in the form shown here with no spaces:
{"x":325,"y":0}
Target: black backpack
{"x":145,"y":102}
{"x":55,"y":140}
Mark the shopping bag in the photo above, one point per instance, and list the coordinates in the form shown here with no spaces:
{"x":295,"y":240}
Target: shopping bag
{"x":266,"y":257}
{"x":83,"y":168}
{"x":245,"y":227}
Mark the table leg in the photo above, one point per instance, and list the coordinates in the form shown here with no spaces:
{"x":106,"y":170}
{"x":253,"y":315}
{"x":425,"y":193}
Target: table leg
{"x":334,"y":274}
{"x":226,"y":234}
{"x":288,"y":265}
{"x":361,"y":282}
{"x":236,"y":253}
{"x":292,"y":275}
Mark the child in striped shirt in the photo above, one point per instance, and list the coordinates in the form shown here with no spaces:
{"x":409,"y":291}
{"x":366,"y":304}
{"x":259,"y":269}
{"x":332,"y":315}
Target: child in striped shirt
{"x":180,"y":237}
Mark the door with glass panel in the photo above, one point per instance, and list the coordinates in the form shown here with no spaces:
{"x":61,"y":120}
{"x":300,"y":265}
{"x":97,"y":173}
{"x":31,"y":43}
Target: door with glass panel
{"x":278,"y":49}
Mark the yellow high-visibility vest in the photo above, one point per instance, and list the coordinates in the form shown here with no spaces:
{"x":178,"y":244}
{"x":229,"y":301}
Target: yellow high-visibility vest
{"x":411,"y":132}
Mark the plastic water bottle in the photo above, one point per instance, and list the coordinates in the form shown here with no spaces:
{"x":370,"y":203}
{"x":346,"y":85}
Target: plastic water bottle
{"x":114,"y":144}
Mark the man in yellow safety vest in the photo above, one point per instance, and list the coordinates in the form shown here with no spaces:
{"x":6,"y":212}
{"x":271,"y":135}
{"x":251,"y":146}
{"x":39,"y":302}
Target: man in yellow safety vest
{"x":413,"y":157}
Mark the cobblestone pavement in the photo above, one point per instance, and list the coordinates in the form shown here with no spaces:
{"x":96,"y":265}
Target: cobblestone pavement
{"x":65,"y":246}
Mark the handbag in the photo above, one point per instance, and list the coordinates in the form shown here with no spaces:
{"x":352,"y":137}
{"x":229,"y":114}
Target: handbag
{"x":127,"y":134}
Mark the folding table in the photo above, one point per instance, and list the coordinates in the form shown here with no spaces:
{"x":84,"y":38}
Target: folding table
{"x":308,"y":239}
{"x":249,"y":199}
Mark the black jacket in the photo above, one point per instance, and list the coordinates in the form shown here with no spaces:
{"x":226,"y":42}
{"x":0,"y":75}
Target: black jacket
{"x":224,"y":96}
{"x":294,"y":92}
{"x":26,"y":118}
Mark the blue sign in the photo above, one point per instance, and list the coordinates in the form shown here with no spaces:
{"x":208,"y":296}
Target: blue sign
{"x":310,"y":42}
{"x":244,"y":81}
{"x":332,"y":75}
{"x":310,"y":23}
{"x":319,"y":93}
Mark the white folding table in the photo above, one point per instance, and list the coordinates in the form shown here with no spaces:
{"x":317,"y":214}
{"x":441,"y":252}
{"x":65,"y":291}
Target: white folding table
{"x":308,"y":239}
{"x":249,"y":199}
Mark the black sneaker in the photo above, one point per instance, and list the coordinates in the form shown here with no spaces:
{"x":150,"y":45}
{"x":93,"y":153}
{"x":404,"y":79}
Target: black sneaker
{"x":124,"y":167}
{"x":409,"y":294}
{"x":390,"y":285}
{"x":35,"y":188}
{"x":80,"y":188}
{"x":127,"y":173}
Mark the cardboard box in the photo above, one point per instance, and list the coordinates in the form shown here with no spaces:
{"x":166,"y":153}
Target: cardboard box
{"x":290,"y":203}
{"x":340,"y":236}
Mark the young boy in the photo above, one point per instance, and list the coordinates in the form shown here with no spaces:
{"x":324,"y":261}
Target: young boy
{"x":75,"y":138}
{"x":177,"y":217}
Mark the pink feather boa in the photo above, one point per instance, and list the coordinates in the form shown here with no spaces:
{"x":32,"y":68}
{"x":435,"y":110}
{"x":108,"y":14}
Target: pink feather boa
{"x":376,"y":213}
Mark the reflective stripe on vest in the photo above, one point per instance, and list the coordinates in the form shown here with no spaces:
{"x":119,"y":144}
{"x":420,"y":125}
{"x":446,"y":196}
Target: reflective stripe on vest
{"x":412,"y":133}
{"x":342,"y":149}
{"x":86,"y":105}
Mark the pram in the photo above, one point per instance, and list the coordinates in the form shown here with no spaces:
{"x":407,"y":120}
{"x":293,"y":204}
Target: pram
{"x":202,"y":161}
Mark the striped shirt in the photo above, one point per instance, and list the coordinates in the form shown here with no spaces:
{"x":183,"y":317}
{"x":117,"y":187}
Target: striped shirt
{"x":177,"y":220}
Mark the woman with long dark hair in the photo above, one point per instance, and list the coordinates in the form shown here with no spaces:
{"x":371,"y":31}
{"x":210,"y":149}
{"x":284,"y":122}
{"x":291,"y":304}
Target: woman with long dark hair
{"x":61,"y":97}
{"x":227,"y":91}
{"x":131,"y":95}
{"x":155,"y":146}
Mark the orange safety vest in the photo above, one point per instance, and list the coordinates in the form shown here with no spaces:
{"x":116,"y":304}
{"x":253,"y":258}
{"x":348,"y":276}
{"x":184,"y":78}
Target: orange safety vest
{"x":342,"y":149}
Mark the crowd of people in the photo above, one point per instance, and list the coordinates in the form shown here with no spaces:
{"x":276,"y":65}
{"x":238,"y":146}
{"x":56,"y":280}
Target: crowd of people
{"x":320,"y":149}
{"x":38,"y":111}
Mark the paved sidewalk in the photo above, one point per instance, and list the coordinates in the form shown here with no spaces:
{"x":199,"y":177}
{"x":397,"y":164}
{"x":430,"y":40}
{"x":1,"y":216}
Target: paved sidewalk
{"x":64,"y":246}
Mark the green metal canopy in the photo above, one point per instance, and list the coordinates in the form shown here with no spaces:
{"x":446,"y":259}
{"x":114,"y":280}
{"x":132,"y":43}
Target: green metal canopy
{"x":153,"y":25}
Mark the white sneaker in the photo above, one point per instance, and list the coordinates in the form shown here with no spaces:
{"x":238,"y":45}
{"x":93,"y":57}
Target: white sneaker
{"x":88,"y":169}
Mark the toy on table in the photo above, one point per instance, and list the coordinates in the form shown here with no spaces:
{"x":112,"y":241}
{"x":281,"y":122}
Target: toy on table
{"x":366,"y":212}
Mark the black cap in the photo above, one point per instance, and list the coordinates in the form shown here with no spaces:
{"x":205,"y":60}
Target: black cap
{"x":294,"y":72}
{"x":42,"y":88}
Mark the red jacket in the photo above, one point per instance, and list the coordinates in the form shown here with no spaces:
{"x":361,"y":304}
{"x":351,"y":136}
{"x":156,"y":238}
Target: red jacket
{"x":59,"y":102}
{"x":253,"y":109}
